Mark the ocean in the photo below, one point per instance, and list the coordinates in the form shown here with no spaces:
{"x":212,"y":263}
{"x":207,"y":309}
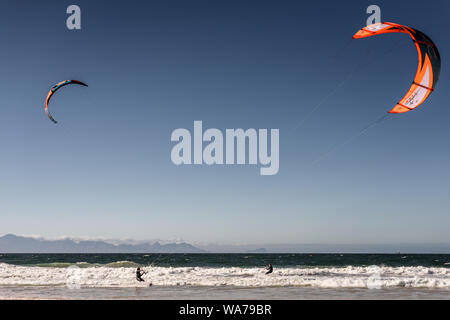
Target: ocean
{"x":225,"y":276}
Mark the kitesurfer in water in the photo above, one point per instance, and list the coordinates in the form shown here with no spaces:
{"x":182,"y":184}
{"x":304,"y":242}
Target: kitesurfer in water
{"x":139,"y":275}
{"x":269,"y":268}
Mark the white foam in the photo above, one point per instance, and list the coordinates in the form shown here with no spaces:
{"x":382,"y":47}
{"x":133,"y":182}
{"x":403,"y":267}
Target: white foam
{"x":344,"y":277}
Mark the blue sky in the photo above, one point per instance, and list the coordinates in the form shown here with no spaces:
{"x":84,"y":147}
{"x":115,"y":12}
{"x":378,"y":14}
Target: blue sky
{"x":154,"y":66}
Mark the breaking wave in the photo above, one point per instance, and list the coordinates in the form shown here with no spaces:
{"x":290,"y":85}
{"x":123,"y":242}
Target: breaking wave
{"x":122,"y":274}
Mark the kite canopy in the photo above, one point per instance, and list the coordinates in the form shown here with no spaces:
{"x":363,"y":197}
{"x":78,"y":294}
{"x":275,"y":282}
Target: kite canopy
{"x":55,"y":88}
{"x":428,"y":70}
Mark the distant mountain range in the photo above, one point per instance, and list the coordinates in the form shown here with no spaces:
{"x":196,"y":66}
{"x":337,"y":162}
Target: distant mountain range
{"x":17,"y":244}
{"x":327,"y":248}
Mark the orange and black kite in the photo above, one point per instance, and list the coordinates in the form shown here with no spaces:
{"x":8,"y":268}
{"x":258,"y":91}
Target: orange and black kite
{"x":427,"y":74}
{"x":54,"y":89}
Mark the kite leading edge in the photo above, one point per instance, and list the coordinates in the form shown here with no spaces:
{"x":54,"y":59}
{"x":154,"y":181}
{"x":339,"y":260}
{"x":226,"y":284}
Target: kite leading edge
{"x":428,"y":69}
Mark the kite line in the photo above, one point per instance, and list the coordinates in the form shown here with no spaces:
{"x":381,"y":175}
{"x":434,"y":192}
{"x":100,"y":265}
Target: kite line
{"x":351,"y":138}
